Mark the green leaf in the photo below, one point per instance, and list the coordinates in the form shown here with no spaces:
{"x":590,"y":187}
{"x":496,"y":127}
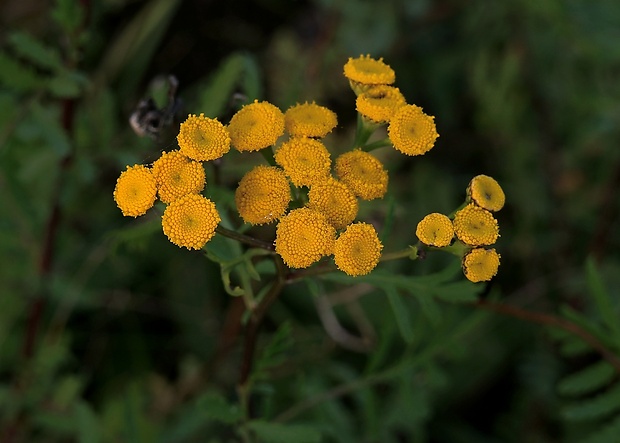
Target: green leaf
{"x":67,"y":84}
{"x":68,"y":14}
{"x":401,"y":313}
{"x":281,"y":433}
{"x":459,"y":292}
{"x":217,"y":408}
{"x":275,"y":353}
{"x":587,"y":380}
{"x":34,"y":51}
{"x":15,"y":75}
{"x":595,"y":407}
{"x":602,"y":299}
{"x":88,"y":427}
{"x":608,"y":433}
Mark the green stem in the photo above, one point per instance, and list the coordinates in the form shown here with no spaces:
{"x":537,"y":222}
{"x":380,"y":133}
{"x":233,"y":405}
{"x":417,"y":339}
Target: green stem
{"x":376,"y":145}
{"x":410,"y":252}
{"x":268,"y":156}
{"x":363,"y":131}
{"x":242,"y":238}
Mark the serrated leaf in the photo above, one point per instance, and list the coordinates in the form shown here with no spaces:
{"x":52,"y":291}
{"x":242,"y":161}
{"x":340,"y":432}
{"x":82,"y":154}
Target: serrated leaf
{"x":401,"y":314}
{"x":67,"y":84}
{"x":68,"y":14}
{"x":587,"y":380}
{"x":35,"y":51}
{"x":15,"y":75}
{"x":276,"y":351}
{"x":608,"y":433}
{"x":602,"y":299}
{"x":281,"y":433}
{"x":596,"y":407}
{"x":217,"y":408}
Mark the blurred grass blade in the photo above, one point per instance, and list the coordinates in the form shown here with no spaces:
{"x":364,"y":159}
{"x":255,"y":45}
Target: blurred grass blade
{"x":403,"y":320}
{"x":133,"y":48}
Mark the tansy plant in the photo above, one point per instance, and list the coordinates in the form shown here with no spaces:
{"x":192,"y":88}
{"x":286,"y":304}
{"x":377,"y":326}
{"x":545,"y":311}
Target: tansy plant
{"x":309,"y":198}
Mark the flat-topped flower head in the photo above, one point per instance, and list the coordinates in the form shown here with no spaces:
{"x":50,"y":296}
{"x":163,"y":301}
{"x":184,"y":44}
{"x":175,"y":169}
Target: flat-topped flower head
{"x":411,"y":131}
{"x":135,"y":190}
{"x":263,"y":195}
{"x":202,"y":138}
{"x":177,"y":175}
{"x":303,"y":237}
{"x":480,"y":264}
{"x":190,"y":221}
{"x":309,"y":120}
{"x":334,"y":199}
{"x":363,"y":173}
{"x":435,"y":230}
{"x":379,"y":103}
{"x":256,"y":126}
{"x":365,"y":70}
{"x":486,"y":193}
{"x":304,"y":160}
{"x":475,"y":226}
{"x":358,"y":249}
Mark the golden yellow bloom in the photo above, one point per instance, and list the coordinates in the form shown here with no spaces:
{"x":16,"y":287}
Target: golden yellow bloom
{"x":334,"y":199}
{"x":358,"y":249}
{"x":435,"y":230}
{"x":486,"y":193}
{"x":190,"y":221}
{"x":135,"y":190}
{"x":177,"y":175}
{"x":365,"y":70}
{"x":362,"y":173}
{"x":256,"y":126}
{"x":411,"y":131}
{"x":480,"y":264}
{"x":202,"y":138}
{"x":475,"y":226}
{"x":309,"y":120}
{"x":263,"y":195}
{"x":304,"y":160}
{"x":303,"y":236}
{"x":379,"y":103}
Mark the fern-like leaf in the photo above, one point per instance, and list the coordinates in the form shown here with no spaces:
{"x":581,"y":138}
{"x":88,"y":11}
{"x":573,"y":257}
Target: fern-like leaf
{"x":596,"y":407}
{"x":587,"y":380}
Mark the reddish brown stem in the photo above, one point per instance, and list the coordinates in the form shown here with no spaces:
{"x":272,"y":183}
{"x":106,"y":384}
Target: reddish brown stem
{"x":554,"y":321}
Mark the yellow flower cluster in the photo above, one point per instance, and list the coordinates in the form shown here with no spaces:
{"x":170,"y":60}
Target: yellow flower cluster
{"x":473,"y":226}
{"x":322,"y":219}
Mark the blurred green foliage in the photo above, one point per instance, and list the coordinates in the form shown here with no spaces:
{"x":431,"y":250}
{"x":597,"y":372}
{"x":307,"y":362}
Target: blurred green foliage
{"x":110,"y":333}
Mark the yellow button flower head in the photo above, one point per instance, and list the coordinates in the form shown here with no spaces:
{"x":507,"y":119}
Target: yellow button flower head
{"x":480,"y":264}
{"x":411,"y":131}
{"x":263,"y":195}
{"x":309,"y":120}
{"x":135,"y":190}
{"x":190,"y":221}
{"x":334,"y":199}
{"x":303,"y":236}
{"x":364,"y":71}
{"x":486,"y":193}
{"x":475,"y":226}
{"x":202,"y":138}
{"x":379,"y":103}
{"x":435,"y":230}
{"x":177,"y":175}
{"x":362,"y":173}
{"x":304,"y":160}
{"x":358,"y":249}
{"x":256,"y":126}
